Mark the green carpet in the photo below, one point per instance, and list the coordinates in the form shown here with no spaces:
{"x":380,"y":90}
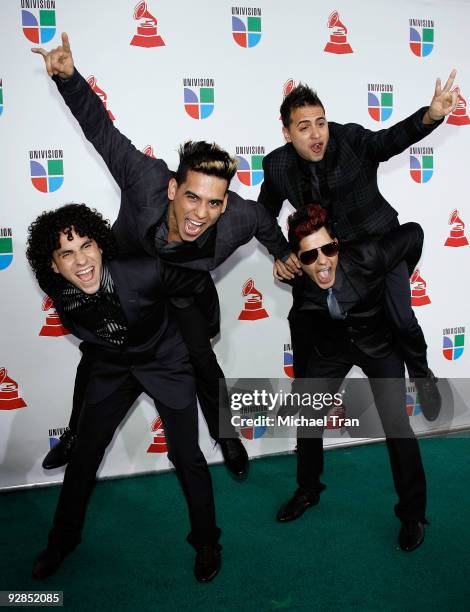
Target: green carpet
{"x":341,"y":555}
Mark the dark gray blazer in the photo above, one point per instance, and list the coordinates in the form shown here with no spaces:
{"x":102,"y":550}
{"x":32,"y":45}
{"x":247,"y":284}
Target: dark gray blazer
{"x":144,"y":181}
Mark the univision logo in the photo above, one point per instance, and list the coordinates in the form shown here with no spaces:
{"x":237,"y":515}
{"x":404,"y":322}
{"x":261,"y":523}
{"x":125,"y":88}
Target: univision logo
{"x":413,"y":405}
{"x":6,"y":247}
{"x":421,"y":164}
{"x":453,"y":342}
{"x":54,"y":436}
{"x":246,"y":26}
{"x":380,"y":101}
{"x":288,"y":361}
{"x":48,"y":174}
{"x":250,"y":165}
{"x":249,"y":431}
{"x":421,"y":36}
{"x":39,"y":24}
{"x":199,"y":97}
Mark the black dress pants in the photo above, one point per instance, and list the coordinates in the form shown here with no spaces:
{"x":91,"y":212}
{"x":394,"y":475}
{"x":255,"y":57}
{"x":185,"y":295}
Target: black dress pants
{"x":96,"y":426}
{"x":409,"y":333}
{"x":390,"y":400}
{"x":210,"y":379}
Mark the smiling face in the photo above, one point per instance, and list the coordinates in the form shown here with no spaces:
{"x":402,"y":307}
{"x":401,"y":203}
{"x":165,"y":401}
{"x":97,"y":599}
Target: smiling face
{"x":308,"y":132}
{"x":79,"y":261}
{"x":323,"y":270}
{"x":195,"y":205}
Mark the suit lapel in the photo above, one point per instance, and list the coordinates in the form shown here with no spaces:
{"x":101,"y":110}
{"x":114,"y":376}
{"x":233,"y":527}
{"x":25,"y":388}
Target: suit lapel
{"x":121,"y":273}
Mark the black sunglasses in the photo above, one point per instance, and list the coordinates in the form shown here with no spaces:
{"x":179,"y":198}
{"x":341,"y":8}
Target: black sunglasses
{"x":310,"y":257}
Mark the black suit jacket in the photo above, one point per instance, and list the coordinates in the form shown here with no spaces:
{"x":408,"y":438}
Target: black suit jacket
{"x":144,"y":181}
{"x":365,"y":266}
{"x":154,"y":351}
{"x":350,"y":164}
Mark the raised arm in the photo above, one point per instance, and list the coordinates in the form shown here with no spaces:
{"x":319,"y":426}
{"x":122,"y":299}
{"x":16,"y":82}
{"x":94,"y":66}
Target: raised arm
{"x":124,"y":161}
{"x":381,"y":145}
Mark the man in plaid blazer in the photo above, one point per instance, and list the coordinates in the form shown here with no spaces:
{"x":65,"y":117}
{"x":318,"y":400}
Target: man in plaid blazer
{"x":336,"y":166}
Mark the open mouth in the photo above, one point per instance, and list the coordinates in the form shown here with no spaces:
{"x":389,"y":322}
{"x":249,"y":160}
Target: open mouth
{"x":317,"y":148}
{"x":324,"y":275}
{"x":193,"y":228}
{"x":86,"y":275}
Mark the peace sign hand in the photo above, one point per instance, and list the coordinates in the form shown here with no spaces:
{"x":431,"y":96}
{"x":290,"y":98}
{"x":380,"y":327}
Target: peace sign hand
{"x":59,"y":61}
{"x":444,"y":100}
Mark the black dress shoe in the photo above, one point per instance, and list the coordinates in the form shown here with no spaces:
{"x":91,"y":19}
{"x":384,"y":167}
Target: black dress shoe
{"x":411,"y":535}
{"x":59,"y":455}
{"x":48,"y":562}
{"x":208,"y":562}
{"x":297,"y":505}
{"x":429,"y":396}
{"x":235,"y":456}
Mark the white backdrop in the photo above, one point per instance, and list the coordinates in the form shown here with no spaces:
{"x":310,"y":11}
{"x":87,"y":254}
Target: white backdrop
{"x":144,"y":86}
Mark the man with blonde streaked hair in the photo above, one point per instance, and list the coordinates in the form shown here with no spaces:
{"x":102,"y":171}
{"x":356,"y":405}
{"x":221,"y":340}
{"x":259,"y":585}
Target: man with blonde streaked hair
{"x":189,"y":219}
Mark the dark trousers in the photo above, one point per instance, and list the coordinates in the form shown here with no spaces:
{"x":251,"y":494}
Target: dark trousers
{"x":210,"y":379}
{"x":96,"y":426}
{"x":211,"y":388}
{"x":409,"y":333}
{"x":390,"y":400}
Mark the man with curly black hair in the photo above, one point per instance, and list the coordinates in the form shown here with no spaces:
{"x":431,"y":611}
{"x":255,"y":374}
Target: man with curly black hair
{"x":118,"y":306}
{"x":191,"y":219}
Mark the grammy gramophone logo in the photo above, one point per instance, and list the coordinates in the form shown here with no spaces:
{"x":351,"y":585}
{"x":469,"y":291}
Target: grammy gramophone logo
{"x":53,"y":326}
{"x":147,"y":35}
{"x":419,"y":296}
{"x":10,"y":398}
{"x":457,"y":236}
{"x":253,"y":308}
{"x":148,"y":150}
{"x":288,"y":86}
{"x":92,"y":82}
{"x":159,"y":441}
{"x":338,"y":42}
{"x":459,"y":115}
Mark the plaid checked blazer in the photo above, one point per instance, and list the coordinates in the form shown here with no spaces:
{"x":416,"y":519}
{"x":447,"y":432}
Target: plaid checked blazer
{"x":144,"y":182}
{"x":353,"y":154}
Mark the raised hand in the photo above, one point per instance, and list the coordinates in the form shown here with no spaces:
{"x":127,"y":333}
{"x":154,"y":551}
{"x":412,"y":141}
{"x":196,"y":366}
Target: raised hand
{"x":59,"y":61}
{"x":444,"y":100}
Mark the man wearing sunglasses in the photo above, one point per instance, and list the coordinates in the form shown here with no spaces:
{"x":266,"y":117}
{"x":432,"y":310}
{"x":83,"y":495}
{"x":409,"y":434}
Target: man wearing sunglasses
{"x":336,"y":165}
{"x":342,"y":292}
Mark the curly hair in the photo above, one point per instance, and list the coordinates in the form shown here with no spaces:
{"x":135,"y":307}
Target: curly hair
{"x":306,"y":221}
{"x":207,"y":158}
{"x":44,"y":238}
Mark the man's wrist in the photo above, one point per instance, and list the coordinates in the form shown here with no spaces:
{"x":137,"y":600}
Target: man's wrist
{"x":429,"y":119}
